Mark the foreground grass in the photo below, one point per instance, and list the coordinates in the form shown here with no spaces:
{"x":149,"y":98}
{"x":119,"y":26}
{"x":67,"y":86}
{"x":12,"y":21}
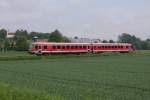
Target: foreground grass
{"x":83,"y":78}
{"x":8,"y":92}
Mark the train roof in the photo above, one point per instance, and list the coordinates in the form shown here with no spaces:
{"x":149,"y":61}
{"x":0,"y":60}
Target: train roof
{"x":60,"y":43}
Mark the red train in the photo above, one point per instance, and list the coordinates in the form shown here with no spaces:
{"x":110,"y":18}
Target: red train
{"x":51,"y":48}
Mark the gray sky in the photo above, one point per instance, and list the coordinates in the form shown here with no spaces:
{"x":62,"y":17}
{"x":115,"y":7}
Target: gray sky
{"x":104,"y":19}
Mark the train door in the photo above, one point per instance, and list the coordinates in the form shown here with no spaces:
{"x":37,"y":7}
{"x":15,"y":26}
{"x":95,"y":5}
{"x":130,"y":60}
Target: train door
{"x":92,"y":48}
{"x":44,"y":48}
{"x":38,"y":49}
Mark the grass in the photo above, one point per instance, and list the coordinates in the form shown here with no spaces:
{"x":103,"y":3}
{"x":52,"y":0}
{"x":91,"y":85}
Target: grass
{"x":14,"y":55}
{"x":83,"y":78}
{"x":7,"y":92}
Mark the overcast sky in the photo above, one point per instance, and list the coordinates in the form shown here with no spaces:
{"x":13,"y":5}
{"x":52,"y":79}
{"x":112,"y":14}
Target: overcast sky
{"x":104,"y":19}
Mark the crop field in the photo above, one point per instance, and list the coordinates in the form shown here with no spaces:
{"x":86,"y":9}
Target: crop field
{"x":125,"y":77}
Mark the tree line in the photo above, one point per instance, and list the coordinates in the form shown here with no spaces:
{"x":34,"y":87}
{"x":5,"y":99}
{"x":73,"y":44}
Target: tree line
{"x":137,"y":43}
{"x":22,"y":39}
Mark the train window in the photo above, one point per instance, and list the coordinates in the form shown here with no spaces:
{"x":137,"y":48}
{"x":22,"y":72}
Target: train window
{"x":63,"y":47}
{"x":115,"y":46}
{"x":54,"y":47}
{"x":58,"y":47}
{"x":112,"y":47}
{"x":68,"y":47}
{"x":127,"y":47}
{"x":36,"y":47}
{"x":39,"y":47}
{"x":121,"y":46}
{"x":88,"y":47}
{"x":84,"y":47}
{"x":80,"y":47}
{"x":72,"y":47}
{"x":45,"y":47}
{"x":76,"y":47}
{"x":103,"y":47}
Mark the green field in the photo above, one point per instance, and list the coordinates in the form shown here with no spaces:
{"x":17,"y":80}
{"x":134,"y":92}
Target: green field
{"x":125,"y":77}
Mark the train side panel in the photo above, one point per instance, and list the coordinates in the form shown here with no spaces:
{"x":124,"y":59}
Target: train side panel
{"x":47,"y":48}
{"x":111,"y":47}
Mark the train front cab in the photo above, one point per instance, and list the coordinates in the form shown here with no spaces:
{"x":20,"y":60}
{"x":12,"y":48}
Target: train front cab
{"x":42,"y":49}
{"x":37,"y":48}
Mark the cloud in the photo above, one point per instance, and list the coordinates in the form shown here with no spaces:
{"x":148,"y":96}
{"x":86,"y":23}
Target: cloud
{"x":87,"y":18}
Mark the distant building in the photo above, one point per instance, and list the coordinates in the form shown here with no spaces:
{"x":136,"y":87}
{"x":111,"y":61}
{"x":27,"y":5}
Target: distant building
{"x":10,"y":35}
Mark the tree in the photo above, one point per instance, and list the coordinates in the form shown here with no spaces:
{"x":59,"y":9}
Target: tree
{"x":3,"y":34}
{"x":65,"y":39}
{"x":76,"y":37}
{"x":33,"y":34}
{"x":1,"y":45}
{"x":56,"y":36}
{"x":40,"y":35}
{"x":21,"y":33}
{"x":144,"y":45}
{"x":104,"y":41}
{"x":7,"y":44}
{"x":148,"y":40}
{"x":20,"y":39}
{"x":127,"y":38}
{"x":21,"y":44}
{"x":147,"y":44}
{"x":111,"y":41}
